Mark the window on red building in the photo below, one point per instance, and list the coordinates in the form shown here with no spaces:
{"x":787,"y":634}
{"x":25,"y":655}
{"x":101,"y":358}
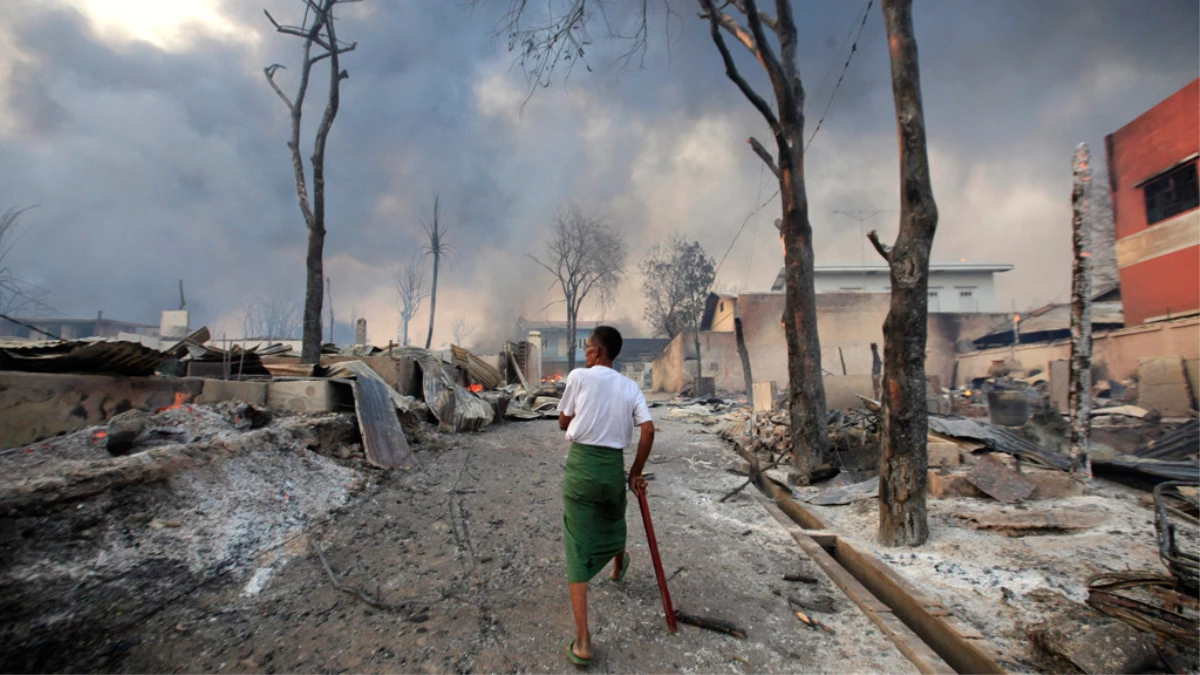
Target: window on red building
{"x":1172,"y":193}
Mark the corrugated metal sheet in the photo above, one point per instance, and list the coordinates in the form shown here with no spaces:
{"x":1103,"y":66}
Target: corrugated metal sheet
{"x":998,"y":439}
{"x":83,"y":356}
{"x":1182,"y":444}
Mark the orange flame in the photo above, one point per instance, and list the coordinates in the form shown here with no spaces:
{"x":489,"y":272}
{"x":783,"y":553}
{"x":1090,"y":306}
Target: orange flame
{"x":181,"y":398}
{"x":100,"y":434}
{"x":552,"y":378}
{"x":475,"y":388}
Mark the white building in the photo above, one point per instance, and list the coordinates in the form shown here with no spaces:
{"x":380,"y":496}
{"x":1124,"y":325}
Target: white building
{"x":953,"y":287}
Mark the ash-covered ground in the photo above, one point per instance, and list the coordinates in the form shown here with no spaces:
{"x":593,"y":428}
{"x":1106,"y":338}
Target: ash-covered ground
{"x":210,"y":566}
{"x":93,"y":545}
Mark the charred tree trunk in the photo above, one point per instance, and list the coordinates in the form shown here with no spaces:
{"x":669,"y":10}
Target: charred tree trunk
{"x":806,"y":391}
{"x":745,"y":355}
{"x":432,"y":298}
{"x":1081,"y":315}
{"x":571,"y":321}
{"x":904,"y":461}
{"x":806,"y":387}
{"x":310,"y":346}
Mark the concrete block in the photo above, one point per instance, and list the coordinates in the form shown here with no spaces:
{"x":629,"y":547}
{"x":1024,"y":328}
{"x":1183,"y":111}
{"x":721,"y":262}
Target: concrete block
{"x":1162,"y":386}
{"x":943,"y":453}
{"x":36,"y":406}
{"x":229,"y":390}
{"x":764,"y":395}
{"x":305,"y":396}
{"x":951,"y":484}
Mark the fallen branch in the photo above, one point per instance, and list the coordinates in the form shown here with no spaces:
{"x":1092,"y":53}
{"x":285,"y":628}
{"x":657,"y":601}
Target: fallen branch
{"x":716,"y":625}
{"x":356,"y":591}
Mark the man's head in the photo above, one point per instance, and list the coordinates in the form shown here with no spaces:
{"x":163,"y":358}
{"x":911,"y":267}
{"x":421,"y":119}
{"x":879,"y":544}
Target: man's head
{"x":603,"y":346}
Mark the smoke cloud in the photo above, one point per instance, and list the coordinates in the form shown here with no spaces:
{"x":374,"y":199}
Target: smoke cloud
{"x":157,"y":152}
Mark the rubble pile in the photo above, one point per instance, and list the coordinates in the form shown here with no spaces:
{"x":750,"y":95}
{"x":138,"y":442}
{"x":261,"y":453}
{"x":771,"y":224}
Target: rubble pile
{"x":94,"y":541}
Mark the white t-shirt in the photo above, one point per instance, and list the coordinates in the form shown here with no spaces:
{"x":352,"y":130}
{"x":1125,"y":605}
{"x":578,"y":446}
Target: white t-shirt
{"x":604,"y":404}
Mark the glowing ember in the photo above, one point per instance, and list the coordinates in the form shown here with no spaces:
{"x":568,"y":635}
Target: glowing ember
{"x":100,"y":434}
{"x":552,"y":378}
{"x":180,"y":399}
{"x":475,"y":388}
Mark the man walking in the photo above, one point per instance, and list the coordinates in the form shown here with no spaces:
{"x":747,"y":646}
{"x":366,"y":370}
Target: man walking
{"x":598,"y":411}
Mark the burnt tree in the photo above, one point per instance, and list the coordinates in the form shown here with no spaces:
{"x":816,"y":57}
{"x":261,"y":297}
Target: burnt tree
{"x":586,"y":257}
{"x":410,"y":291}
{"x":437,"y":248}
{"x":904,"y":461}
{"x":806,"y":390}
{"x":1081,"y":314}
{"x":559,"y":37}
{"x":317,"y":30}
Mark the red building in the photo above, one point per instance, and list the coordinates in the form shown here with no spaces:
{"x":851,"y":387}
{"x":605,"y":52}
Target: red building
{"x":1152,"y":172}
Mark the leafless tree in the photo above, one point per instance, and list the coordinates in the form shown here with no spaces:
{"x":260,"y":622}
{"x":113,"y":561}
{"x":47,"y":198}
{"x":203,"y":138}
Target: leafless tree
{"x":586,"y":256}
{"x":904,"y":460}
{"x":17,"y":296}
{"x":318,"y":29}
{"x":460,"y":330}
{"x":436,"y":248}
{"x":676,"y":278}
{"x":561,"y":39}
{"x":272,"y":320}
{"x":410,"y":291}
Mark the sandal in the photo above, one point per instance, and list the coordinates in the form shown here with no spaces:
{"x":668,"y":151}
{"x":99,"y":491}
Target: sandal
{"x":624,"y":567}
{"x":575,"y":658}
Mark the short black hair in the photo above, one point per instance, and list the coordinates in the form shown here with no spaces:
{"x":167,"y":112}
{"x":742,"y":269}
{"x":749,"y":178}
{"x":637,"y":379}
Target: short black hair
{"x":609,"y":338}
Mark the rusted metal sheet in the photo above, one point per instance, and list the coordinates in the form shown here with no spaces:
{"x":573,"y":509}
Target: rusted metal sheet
{"x":84,"y":357}
{"x":999,"y":481}
{"x":383,"y":439}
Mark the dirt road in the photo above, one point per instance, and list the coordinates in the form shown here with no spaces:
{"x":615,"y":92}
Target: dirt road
{"x":471,"y":545}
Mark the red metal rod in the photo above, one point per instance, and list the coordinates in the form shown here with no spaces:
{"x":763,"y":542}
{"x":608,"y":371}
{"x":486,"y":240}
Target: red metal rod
{"x":658,"y":568}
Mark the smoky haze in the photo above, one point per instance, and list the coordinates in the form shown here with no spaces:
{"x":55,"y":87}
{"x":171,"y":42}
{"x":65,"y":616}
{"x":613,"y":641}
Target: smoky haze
{"x":158,"y":153}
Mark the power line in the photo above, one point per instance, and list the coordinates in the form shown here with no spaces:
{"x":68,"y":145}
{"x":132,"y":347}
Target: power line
{"x":739,"y":232}
{"x":853,"y":49}
{"x":832,"y":63}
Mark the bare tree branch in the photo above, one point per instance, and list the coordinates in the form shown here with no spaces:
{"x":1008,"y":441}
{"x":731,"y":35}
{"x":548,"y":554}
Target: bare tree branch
{"x":587,"y":258}
{"x":883,"y":249}
{"x":731,"y":70}
{"x":764,"y":154}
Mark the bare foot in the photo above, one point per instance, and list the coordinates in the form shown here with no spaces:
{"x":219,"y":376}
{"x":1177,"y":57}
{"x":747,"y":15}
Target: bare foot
{"x":619,"y":562}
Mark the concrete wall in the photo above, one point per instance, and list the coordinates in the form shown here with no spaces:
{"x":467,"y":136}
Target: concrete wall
{"x":949,"y":290}
{"x":675,"y":367}
{"x":1159,"y":264}
{"x":847,"y":324}
{"x":1117,"y":353}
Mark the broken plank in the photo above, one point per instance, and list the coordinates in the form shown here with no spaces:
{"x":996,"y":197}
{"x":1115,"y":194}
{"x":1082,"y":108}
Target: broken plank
{"x":383,"y":439}
{"x":999,"y":481}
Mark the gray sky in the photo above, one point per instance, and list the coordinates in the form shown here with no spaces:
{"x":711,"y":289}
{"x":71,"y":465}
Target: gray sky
{"x":147,"y":135}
